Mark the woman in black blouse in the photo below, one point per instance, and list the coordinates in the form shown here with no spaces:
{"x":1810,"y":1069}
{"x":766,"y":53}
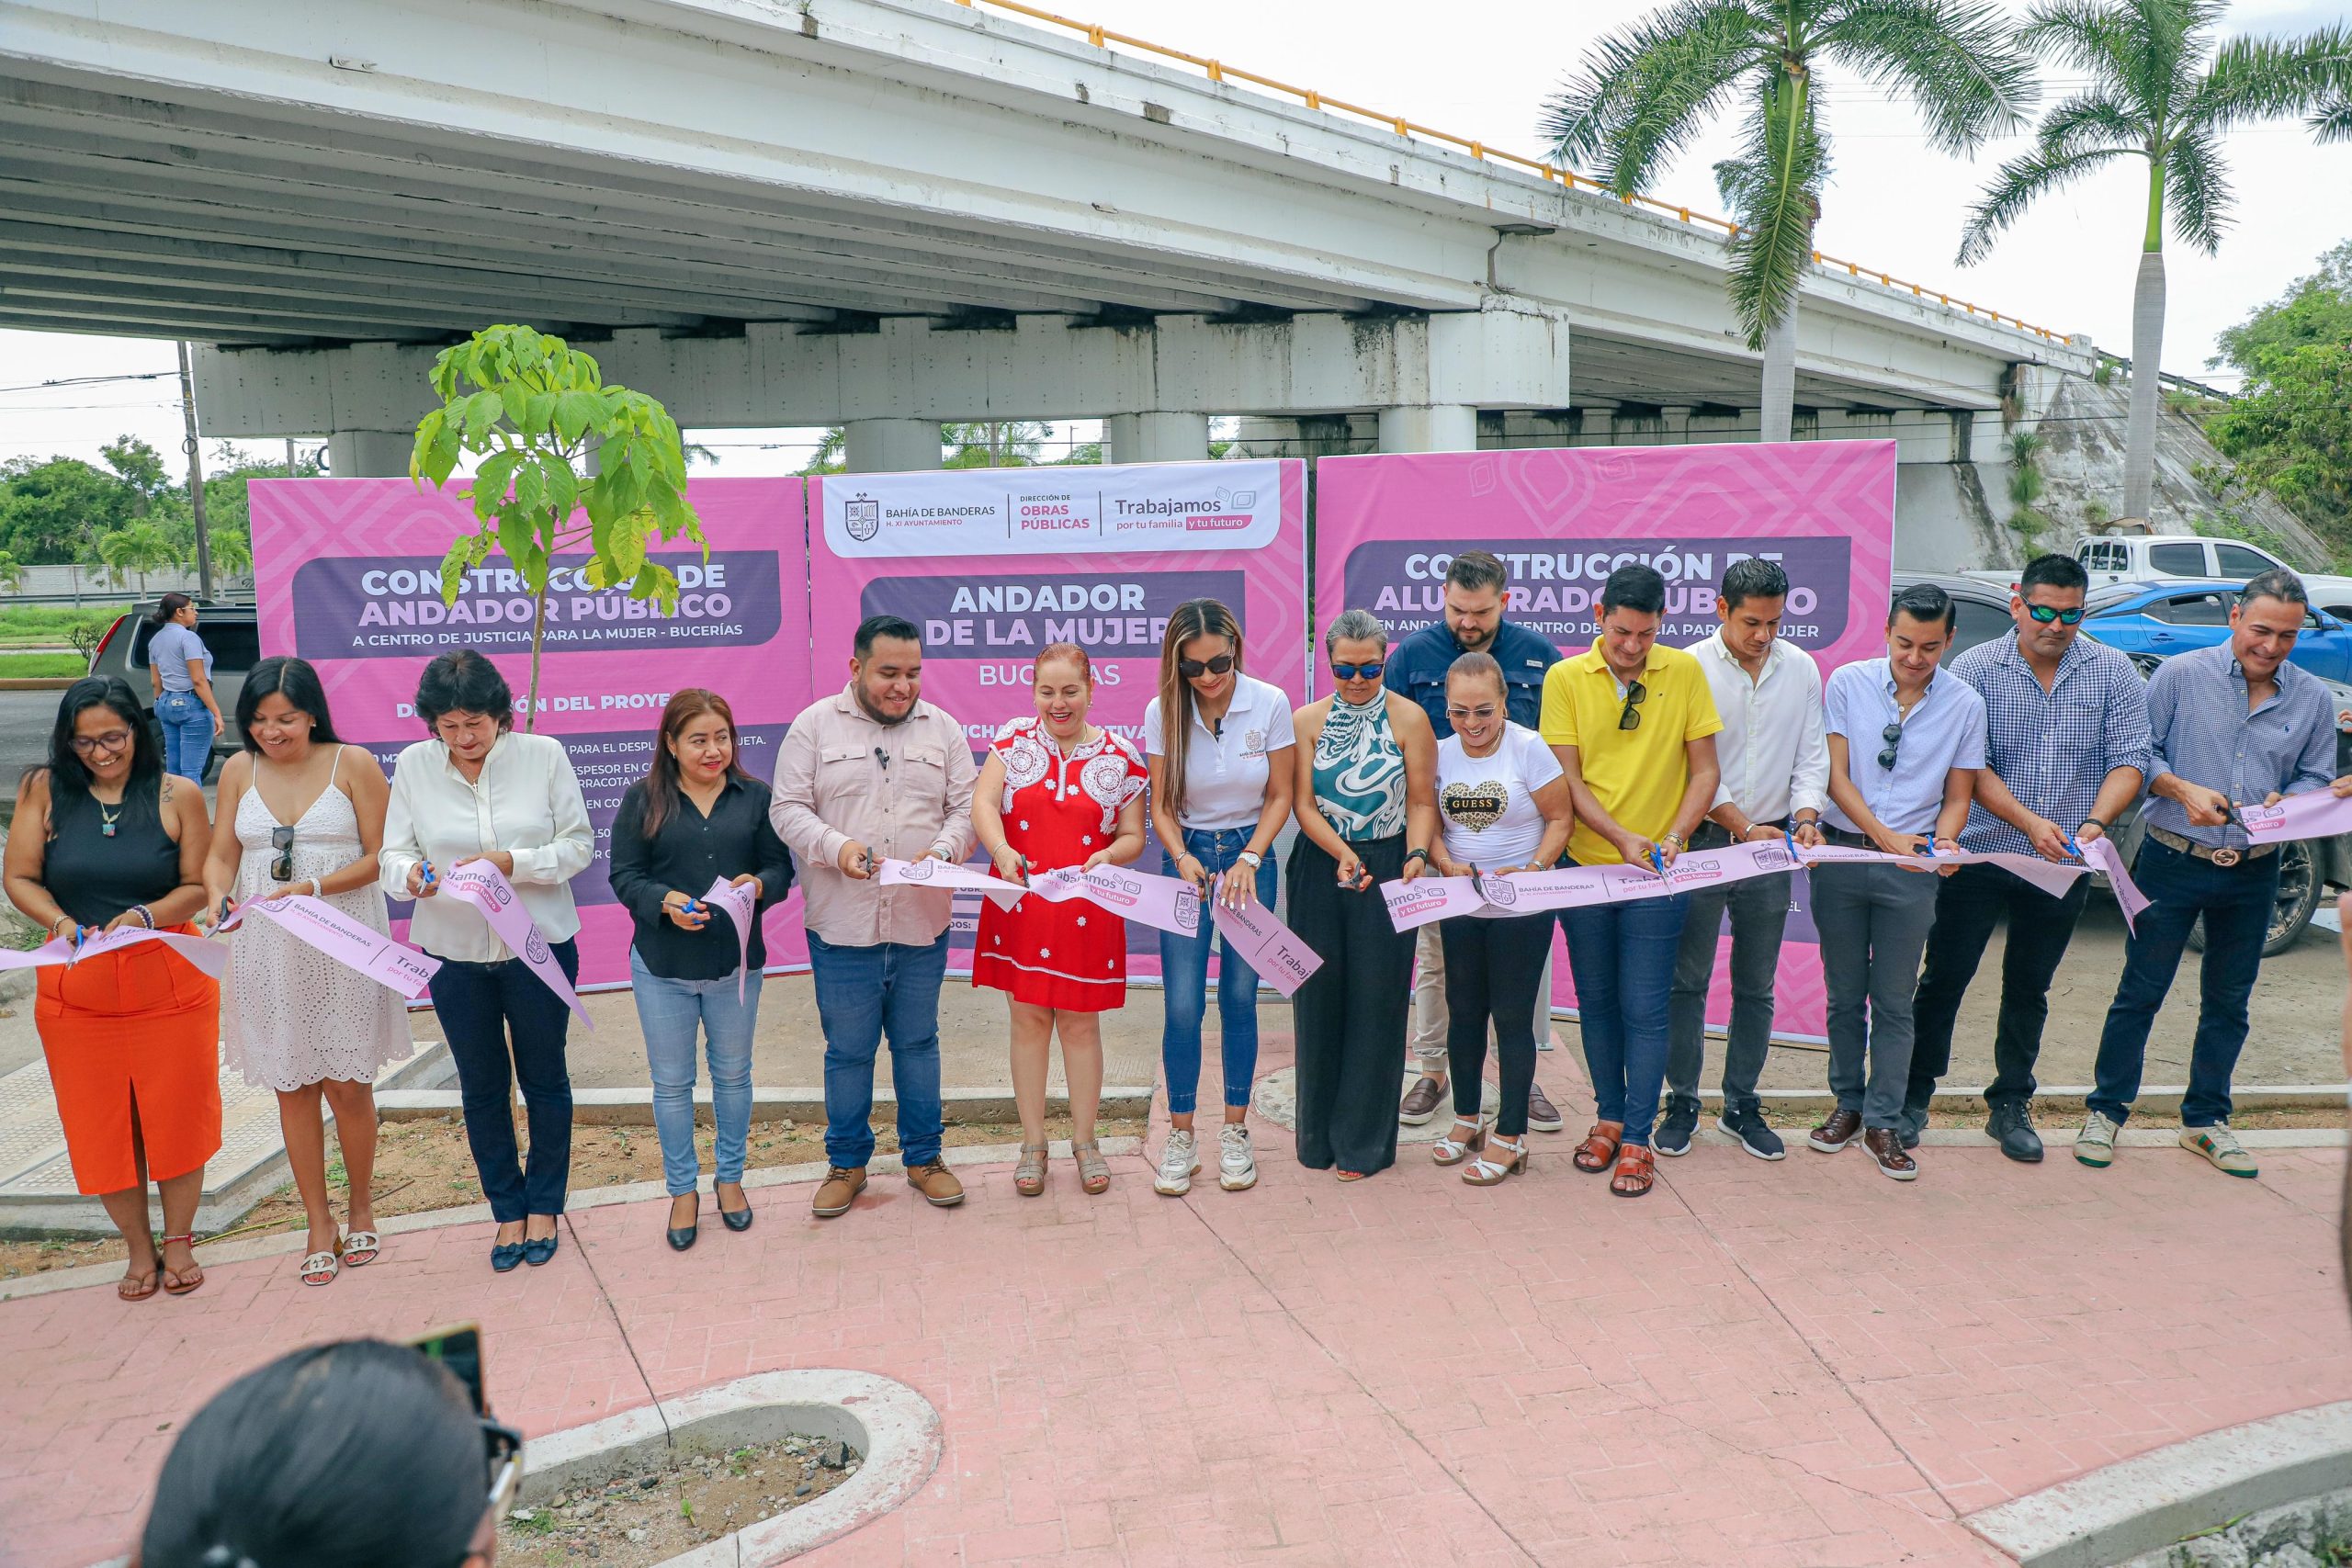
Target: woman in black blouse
{"x":695,"y":818}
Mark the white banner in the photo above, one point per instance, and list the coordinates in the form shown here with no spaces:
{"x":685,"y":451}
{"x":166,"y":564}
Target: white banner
{"x":1055,"y":510}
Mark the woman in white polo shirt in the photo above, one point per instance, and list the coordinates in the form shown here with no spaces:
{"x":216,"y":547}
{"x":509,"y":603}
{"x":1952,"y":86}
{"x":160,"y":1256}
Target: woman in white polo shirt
{"x":1220,"y":749}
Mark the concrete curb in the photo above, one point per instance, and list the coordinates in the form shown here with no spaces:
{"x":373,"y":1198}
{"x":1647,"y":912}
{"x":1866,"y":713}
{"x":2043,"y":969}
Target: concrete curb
{"x":2144,"y":1503}
{"x":634,"y":1106}
{"x":37,"y":682}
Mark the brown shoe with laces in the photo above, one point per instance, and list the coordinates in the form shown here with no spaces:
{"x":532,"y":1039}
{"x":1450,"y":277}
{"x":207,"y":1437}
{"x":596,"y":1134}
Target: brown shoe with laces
{"x":1885,"y":1145}
{"x":838,"y":1190}
{"x":1837,"y":1131}
{"x":936,"y":1183}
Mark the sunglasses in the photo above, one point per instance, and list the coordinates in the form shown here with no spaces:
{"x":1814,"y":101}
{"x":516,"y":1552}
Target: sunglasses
{"x":1358,"y":671}
{"x":1193,"y":669}
{"x":1893,"y":735}
{"x":112,"y":741}
{"x":282,"y":841}
{"x":1632,"y":718}
{"x":2045,"y":614}
{"x":1456,"y":715}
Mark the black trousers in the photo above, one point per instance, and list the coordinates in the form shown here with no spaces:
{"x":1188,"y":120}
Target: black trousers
{"x":500,"y":1018}
{"x":1492,"y":964}
{"x":1351,"y":1015}
{"x":1970,"y":902}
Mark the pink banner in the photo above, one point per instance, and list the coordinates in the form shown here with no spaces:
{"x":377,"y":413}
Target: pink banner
{"x":1563,"y":518}
{"x":348,"y":572}
{"x":352,"y":944}
{"x":1266,"y":945}
{"x":995,"y":563}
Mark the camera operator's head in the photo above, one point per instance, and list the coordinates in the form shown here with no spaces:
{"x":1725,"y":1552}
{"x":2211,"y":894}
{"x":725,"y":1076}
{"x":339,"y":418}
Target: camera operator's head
{"x":360,"y":1453}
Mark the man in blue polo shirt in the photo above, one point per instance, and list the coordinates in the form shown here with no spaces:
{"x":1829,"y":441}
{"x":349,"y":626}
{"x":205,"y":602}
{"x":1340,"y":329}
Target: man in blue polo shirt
{"x":1476,"y":583}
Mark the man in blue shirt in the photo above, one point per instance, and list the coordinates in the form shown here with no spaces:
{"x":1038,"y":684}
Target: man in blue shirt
{"x":2234,"y":725}
{"x":2067,"y":750}
{"x":1475,"y":584}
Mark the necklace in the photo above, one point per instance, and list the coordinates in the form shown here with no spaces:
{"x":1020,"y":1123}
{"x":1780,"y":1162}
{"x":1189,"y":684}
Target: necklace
{"x":107,"y":819}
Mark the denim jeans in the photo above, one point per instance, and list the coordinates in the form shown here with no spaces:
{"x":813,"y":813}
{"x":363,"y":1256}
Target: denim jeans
{"x":1185,"y":980}
{"x":2236,"y":902}
{"x":1972,"y":901}
{"x":673,"y":1013}
{"x":480,"y":1007}
{"x":1759,"y":916}
{"x":1622,"y":956}
{"x":187,"y":734}
{"x":862,"y":994}
{"x":1873,"y":921}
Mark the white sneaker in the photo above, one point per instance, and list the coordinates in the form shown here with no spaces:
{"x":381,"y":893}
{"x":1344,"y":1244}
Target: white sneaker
{"x":2094,"y":1144}
{"x":1178,"y":1161}
{"x":2220,"y":1145}
{"x":1237,"y":1167}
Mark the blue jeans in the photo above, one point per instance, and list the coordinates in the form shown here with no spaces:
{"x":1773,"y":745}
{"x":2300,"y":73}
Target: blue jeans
{"x":481,"y":1006}
{"x":1184,"y":979}
{"x":863,"y":993}
{"x":672,"y":1013}
{"x":187,"y":734}
{"x":1622,"y":958}
{"x":2236,"y":902}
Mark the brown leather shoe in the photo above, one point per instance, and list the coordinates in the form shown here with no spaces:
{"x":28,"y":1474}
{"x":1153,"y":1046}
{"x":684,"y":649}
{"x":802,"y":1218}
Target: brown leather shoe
{"x":936,"y":1183}
{"x":1540,"y":1115}
{"x":1837,"y":1131}
{"x":1885,"y":1145}
{"x":838,"y":1190}
{"x":1422,"y":1102}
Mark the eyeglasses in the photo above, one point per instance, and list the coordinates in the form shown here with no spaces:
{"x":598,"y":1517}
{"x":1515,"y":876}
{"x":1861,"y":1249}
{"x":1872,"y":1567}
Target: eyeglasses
{"x":1893,"y":735}
{"x":1193,"y":669}
{"x":2046,"y":614}
{"x":282,"y":841}
{"x":112,"y":741}
{"x":1456,"y":715}
{"x":1358,"y":671}
{"x":1632,"y":718}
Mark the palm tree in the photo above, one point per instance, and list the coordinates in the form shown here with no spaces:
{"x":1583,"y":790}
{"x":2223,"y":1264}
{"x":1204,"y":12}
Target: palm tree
{"x":1644,"y":91}
{"x":2159,"y":91}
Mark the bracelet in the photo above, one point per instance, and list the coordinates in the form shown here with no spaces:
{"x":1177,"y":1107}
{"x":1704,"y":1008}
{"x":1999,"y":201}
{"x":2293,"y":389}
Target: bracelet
{"x":61,"y":920}
{"x":1677,"y":839}
{"x":318,"y":890}
{"x":146,"y":917}
{"x":1423,"y":855}
{"x":2092,"y":822}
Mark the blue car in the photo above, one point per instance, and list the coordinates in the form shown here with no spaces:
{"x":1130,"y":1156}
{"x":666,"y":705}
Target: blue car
{"x":2154,"y":620}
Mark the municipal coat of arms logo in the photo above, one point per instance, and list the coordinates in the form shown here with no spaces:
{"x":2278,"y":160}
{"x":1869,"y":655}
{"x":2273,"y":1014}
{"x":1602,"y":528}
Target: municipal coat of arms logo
{"x":863,"y":518}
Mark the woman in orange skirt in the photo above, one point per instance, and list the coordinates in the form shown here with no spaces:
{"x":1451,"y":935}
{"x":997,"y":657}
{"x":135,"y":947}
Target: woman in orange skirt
{"x":103,"y":841}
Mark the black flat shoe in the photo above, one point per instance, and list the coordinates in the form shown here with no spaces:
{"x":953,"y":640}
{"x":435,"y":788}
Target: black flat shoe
{"x":539,"y":1249}
{"x":506,"y":1256}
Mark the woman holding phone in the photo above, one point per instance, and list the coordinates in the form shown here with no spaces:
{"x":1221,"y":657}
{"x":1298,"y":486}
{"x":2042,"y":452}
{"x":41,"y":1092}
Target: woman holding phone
{"x":300,"y":812}
{"x":1221,"y":751}
{"x":1057,"y":791}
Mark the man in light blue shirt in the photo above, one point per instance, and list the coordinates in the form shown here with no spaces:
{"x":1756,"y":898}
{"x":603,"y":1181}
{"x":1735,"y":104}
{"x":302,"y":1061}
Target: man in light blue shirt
{"x":2234,"y":724}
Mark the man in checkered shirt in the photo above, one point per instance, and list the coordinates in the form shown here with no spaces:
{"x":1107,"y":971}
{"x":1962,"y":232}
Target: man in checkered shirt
{"x":2067,"y":746}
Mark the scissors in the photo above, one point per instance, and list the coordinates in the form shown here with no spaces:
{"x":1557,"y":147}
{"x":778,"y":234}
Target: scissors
{"x":2074,"y":849}
{"x":1024,"y":867}
{"x":427,"y":872}
{"x":1657,"y":860}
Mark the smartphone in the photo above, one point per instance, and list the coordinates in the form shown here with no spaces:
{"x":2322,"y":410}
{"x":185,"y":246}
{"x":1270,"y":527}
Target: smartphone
{"x":459,"y":1349}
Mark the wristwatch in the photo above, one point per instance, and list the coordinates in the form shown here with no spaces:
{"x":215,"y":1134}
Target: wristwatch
{"x":2094,"y":822}
{"x":1251,"y":858}
{"x":1677,"y":839}
{"x":1417,"y":854}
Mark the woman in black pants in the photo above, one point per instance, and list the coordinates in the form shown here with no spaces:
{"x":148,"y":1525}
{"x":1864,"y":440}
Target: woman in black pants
{"x":1504,"y":802}
{"x":1367,"y":789}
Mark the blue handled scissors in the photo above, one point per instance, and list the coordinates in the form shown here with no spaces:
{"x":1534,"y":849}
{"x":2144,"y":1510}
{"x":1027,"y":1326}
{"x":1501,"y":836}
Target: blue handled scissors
{"x":1657,"y":860}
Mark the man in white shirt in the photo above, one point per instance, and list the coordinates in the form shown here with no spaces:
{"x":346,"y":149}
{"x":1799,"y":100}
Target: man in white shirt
{"x":1775,"y":760}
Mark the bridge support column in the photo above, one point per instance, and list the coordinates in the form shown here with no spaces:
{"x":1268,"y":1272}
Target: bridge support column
{"x":890,"y":445}
{"x":369,"y":454}
{"x":1442,"y":427}
{"x":1155,"y":438}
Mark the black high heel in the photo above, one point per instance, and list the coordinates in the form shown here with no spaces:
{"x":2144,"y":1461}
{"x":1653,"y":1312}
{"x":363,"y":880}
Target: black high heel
{"x":683,"y":1237}
{"x":737,"y":1220}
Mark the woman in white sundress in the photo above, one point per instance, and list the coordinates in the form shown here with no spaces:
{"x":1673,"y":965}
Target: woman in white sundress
{"x":305,"y":814}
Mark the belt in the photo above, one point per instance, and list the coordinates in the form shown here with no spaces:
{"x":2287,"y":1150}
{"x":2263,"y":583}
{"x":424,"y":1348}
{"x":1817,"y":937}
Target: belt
{"x":2226,"y":857}
{"x":1714,"y":836}
{"x":1851,"y":840}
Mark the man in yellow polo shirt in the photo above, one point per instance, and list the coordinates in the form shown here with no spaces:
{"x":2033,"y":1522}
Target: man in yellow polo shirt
{"x":1633,"y":724}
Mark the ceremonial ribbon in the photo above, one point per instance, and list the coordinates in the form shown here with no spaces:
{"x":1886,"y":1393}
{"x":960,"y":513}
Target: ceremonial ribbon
{"x":478,"y":883}
{"x":352,"y":944}
{"x":2315,"y":814}
{"x":210,"y":957}
{"x":741,"y":905}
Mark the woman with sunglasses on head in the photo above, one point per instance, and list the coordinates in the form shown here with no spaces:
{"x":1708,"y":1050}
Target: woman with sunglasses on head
{"x":1220,"y":749}
{"x":1503,"y":798}
{"x":1367,"y":813}
{"x":103,"y":840}
{"x":301,"y":813}
{"x":1056,"y":792}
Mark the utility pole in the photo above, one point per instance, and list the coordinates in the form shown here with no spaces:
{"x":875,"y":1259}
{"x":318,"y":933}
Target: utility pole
{"x":289,"y":456}
{"x":195,"y":480}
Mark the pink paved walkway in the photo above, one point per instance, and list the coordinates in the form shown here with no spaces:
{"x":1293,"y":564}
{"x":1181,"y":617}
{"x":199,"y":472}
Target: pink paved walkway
{"x":1758,"y":1363}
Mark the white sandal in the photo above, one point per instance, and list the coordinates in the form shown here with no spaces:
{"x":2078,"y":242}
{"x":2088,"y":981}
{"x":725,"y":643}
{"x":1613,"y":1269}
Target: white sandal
{"x":360,"y":1247}
{"x":1483,"y":1172}
{"x":321,"y":1267}
{"x":1451,"y":1150}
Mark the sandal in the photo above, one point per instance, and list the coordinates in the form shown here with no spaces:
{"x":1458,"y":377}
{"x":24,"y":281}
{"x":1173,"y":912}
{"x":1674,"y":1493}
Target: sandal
{"x":1029,"y":1176}
{"x":1093,"y":1170}
{"x":321,"y":1267}
{"x":1353,"y":1175}
{"x":180,"y":1284}
{"x":1637,"y":1168}
{"x":1599,"y":1146}
{"x":153,"y":1276}
{"x":359,"y":1248}
{"x":1451,"y":1150}
{"x":1485,"y":1172}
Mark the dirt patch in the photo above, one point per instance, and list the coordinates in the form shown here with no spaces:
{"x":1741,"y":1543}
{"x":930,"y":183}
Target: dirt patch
{"x":425,"y":1165}
{"x":650,"y":1518}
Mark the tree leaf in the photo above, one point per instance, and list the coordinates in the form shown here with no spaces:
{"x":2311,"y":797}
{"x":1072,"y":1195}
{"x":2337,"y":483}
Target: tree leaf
{"x":574,"y":413}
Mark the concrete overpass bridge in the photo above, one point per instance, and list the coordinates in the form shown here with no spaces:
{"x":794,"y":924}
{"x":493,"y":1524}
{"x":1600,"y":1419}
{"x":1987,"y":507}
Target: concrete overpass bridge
{"x":889,"y":213}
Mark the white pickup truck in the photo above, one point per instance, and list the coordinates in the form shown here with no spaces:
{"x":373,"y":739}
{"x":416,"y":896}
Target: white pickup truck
{"x":2144,"y":558}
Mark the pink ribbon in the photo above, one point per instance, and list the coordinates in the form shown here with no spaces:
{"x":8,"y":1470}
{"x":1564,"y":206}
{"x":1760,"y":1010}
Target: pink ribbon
{"x":933,"y":871}
{"x":741,"y":905}
{"x":2315,"y":814}
{"x":1263,"y":943}
{"x":210,"y":957}
{"x":2101,"y":855}
{"x":354,"y":944}
{"x":478,"y":882}
{"x":1164,"y":903}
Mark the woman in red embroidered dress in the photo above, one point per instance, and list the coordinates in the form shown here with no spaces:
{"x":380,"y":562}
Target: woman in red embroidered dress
{"x":1055,"y":791}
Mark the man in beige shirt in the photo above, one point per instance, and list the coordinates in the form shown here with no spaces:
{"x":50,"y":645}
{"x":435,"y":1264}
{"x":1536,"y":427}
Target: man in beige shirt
{"x":874,"y":773}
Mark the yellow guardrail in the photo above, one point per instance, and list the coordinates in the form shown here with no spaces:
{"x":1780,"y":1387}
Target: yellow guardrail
{"x":1218,"y":71}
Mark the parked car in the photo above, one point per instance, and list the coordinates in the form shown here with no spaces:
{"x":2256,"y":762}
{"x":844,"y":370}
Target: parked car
{"x":232,"y":632}
{"x":2147,"y":557}
{"x":2307,"y":870}
{"x":2174,"y":616}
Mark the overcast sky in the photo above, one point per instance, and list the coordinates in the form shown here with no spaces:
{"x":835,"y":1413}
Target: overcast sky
{"x":1484,"y":72}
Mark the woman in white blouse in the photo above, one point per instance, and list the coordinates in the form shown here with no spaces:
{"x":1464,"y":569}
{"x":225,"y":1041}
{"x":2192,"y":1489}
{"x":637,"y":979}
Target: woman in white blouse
{"x":477,"y":791}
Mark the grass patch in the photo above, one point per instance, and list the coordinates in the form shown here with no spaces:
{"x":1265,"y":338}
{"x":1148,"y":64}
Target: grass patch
{"x":32,"y":666}
{"x":50,"y":622}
